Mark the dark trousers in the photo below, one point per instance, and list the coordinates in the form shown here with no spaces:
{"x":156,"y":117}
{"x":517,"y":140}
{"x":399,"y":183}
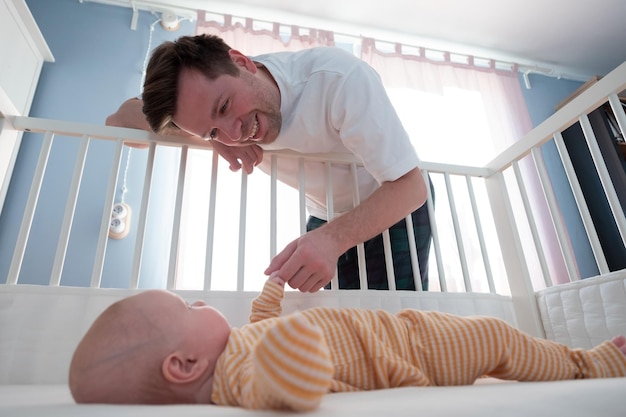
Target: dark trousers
{"x":347,"y":264}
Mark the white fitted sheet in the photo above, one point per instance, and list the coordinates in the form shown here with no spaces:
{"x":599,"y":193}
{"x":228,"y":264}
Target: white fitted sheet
{"x":578,"y":398}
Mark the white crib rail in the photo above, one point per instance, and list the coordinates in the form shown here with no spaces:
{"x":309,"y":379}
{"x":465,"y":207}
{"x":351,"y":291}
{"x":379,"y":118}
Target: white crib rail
{"x":500,"y":192}
{"x":85,"y":133}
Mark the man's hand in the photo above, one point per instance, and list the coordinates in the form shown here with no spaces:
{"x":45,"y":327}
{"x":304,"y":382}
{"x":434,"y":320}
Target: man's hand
{"x":309,"y":262}
{"x":237,"y":156}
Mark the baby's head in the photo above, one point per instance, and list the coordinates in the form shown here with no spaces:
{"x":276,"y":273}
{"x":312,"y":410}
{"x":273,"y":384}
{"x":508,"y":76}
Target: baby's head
{"x":150,"y":348}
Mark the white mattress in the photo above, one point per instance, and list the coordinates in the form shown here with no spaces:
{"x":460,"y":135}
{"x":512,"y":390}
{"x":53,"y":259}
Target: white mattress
{"x":585,"y":313}
{"x":580,"y":398}
{"x":41,"y":326}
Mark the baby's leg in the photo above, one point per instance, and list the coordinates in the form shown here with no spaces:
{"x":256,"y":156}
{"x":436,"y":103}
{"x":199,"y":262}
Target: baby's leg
{"x":457,"y":350}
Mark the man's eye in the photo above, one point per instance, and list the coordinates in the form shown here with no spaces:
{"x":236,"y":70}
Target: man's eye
{"x":224,"y":107}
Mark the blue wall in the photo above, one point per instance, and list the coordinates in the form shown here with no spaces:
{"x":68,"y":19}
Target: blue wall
{"x":99,"y":62}
{"x":98,"y":65}
{"x":543,"y":96}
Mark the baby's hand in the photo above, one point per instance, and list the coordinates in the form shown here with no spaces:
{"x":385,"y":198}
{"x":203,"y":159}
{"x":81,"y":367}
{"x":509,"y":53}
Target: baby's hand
{"x":276,"y":279}
{"x":620,"y":342}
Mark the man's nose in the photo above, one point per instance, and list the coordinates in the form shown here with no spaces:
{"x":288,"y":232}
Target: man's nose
{"x":230,"y":130}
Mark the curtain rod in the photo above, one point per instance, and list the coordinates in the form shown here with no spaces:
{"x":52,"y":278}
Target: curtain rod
{"x":524,"y":69}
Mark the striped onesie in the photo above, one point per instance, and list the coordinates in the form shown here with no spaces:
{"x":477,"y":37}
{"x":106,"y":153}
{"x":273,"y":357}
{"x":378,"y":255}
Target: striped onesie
{"x":292,"y":362}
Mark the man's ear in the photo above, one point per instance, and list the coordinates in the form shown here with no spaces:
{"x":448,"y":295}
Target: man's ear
{"x":242,"y":60}
{"x":180,"y":368}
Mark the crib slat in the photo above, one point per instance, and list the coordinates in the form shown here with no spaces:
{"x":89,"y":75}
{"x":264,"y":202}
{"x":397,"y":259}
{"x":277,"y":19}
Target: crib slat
{"x":530,"y":217}
{"x":457,"y":234}
{"x":330,"y":205}
{"x":142,"y":218}
{"x":360,"y":248}
{"x":302,"y":195}
{"x":415,"y":266}
{"x":210,"y":235}
{"x":618,"y":111}
{"x":391,"y":275}
{"x":274,"y":206}
{"x":70,"y":208}
{"x":481,"y":235}
{"x":435,"y":236}
{"x":581,"y":203}
{"x":605,"y":178}
{"x":29,"y":210}
{"x":98,"y":265}
{"x":182,"y":169}
{"x":330,"y":210}
{"x":241,"y":257}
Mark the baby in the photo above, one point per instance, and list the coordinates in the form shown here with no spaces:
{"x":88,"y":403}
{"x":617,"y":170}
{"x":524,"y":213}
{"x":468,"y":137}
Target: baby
{"x":154,"y":348}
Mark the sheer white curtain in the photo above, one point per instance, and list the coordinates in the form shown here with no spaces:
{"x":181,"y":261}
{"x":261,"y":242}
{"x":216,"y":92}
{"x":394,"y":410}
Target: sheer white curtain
{"x":463,"y":110}
{"x":497,"y":91}
{"x":457,"y":110}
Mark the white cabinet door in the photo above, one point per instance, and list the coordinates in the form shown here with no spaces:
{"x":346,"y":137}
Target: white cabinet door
{"x":23,"y":51}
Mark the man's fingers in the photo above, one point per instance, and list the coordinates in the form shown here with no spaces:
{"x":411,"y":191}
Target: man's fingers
{"x":250,"y":157}
{"x":235,"y":165}
{"x":279,"y":260}
{"x":258,"y":154}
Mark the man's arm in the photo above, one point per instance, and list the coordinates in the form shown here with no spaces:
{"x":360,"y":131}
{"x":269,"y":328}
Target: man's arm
{"x":130,"y":115}
{"x":309,"y":262}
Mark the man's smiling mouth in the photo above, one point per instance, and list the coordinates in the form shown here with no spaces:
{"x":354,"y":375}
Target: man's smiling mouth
{"x":255,"y":130}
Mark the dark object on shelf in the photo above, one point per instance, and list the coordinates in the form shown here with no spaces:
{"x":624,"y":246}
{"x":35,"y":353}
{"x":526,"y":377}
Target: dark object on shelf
{"x":611,"y":143}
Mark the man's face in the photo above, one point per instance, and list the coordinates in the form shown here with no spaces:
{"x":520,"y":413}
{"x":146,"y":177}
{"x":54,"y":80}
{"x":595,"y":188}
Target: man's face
{"x":236,"y":111}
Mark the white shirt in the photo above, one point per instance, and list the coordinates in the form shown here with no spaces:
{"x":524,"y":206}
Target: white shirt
{"x":331,"y":101}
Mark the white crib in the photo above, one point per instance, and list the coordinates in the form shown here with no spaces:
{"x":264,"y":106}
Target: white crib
{"x":41,"y":324}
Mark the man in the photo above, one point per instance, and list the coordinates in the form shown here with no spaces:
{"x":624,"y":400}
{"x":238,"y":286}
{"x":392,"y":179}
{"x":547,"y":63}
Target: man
{"x":312,"y":101}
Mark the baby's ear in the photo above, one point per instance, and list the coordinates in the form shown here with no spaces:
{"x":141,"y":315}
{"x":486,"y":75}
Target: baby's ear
{"x":180,"y":368}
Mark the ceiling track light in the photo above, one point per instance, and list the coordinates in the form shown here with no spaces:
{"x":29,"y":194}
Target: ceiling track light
{"x":169,"y":20}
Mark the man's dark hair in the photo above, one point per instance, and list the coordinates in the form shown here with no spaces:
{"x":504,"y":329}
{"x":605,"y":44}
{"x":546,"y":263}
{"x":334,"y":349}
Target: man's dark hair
{"x":206,"y":53}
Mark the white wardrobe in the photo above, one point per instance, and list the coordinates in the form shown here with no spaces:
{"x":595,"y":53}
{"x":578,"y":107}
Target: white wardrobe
{"x":23,"y":50}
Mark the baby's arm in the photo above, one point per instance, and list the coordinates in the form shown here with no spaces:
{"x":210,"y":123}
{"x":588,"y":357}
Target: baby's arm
{"x":291,"y":367}
{"x":267,"y":304}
